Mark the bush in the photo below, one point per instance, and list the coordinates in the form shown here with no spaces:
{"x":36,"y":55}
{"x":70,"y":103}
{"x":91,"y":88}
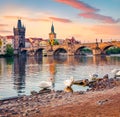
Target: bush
{"x":9,"y":50}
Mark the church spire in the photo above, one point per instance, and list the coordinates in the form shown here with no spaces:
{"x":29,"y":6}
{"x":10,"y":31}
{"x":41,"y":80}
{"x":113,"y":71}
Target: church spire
{"x":52,"y":28}
{"x":52,"y":34}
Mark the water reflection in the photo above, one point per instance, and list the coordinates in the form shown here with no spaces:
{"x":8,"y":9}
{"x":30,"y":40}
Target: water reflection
{"x":72,"y":60}
{"x":52,"y":62}
{"x":60,"y":59}
{"x":99,"y":60}
{"x":81,"y":59}
{"x":68,"y":89}
{"x":52,"y":69}
{"x":23,"y":75}
{"x":19,"y":74}
{"x":39,"y":60}
{"x":9,"y":60}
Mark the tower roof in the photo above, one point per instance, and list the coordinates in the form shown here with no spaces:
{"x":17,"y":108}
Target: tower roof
{"x":19,"y":24}
{"x":52,"y":28}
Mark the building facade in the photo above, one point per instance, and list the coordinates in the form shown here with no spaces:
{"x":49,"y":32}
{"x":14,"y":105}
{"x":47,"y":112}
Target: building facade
{"x":3,"y":43}
{"x":19,"y":37}
{"x":10,"y":40}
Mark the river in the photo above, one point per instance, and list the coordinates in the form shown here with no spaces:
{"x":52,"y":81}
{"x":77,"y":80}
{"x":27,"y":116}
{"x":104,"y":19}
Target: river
{"x":20,"y":75}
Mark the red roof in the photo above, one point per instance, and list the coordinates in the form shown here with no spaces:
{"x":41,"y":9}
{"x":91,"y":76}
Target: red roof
{"x":10,"y":37}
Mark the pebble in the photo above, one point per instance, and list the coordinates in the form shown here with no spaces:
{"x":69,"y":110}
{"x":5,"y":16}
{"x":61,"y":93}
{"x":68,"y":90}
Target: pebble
{"x":101,"y":102}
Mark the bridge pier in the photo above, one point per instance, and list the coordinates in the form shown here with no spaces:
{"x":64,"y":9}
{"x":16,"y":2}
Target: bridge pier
{"x":50,"y":53}
{"x":96,"y":51}
{"x":70,"y":54}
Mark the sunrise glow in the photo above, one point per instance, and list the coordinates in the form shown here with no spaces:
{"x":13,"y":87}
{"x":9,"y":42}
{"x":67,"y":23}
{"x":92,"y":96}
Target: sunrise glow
{"x":83,"y":19}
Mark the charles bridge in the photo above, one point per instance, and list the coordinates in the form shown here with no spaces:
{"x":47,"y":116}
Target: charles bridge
{"x":97,"y":48}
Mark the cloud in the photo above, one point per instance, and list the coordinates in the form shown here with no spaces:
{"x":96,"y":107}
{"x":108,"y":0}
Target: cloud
{"x":3,"y":25}
{"x":3,"y":28}
{"x":79,"y":5}
{"x":5,"y":31}
{"x":36,"y":19}
{"x":105,"y":19}
{"x":46,"y":19}
{"x":25,"y":18}
{"x":60,"y":19}
{"x":106,"y":29}
{"x":89,"y":12}
{"x":11,"y":17}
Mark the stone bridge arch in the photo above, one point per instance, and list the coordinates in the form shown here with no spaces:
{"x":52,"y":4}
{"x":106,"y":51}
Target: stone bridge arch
{"x":108,"y":46}
{"x":78,"y":50}
{"x":60,"y":51}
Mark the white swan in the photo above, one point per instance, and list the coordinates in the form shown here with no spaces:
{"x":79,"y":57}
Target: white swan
{"x":93,"y":77}
{"x":45,"y":84}
{"x":116,"y":72}
{"x":69,"y":82}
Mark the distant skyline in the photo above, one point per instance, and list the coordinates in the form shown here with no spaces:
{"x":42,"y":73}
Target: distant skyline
{"x":85,"y":20}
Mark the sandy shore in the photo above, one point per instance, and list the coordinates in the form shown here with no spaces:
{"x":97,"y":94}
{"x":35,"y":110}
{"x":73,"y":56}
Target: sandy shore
{"x":104,"y":103}
{"x":93,"y":104}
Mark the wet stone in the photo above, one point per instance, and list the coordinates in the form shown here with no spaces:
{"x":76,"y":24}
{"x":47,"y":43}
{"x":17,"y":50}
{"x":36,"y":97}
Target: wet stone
{"x":33,"y":93}
{"x":3,"y":115}
{"x":5,"y":102}
{"x":37,"y":111}
{"x":60,"y":97}
{"x":25,"y":114}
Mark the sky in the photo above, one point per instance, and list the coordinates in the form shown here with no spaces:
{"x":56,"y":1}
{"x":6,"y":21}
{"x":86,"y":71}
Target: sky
{"x":85,"y":20}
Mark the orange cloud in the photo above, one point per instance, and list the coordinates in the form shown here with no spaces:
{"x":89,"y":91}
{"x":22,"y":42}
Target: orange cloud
{"x":3,"y":25}
{"x":106,"y":29}
{"x":2,"y":28}
{"x":5,"y":31}
{"x":11,"y":17}
{"x":36,"y":19}
{"x":39,"y":19}
{"x":25,"y":18}
{"x":89,"y":12}
{"x":60,"y":19}
{"x":105,"y":19}
{"x":79,"y":5}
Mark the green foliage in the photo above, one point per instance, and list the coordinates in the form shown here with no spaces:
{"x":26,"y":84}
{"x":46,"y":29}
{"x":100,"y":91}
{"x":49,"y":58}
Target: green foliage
{"x":9,"y":60}
{"x":9,"y":50}
{"x":56,"y":42}
{"x":113,"y":50}
{"x":86,"y":50}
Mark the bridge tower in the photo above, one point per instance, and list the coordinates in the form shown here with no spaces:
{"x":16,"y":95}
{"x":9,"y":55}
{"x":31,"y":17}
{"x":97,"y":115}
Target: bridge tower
{"x":19,"y":37}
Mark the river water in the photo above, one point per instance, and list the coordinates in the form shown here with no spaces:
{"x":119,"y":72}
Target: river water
{"x":20,"y":75}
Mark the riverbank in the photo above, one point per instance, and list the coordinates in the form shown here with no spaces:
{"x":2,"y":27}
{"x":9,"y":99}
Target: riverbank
{"x":93,"y":103}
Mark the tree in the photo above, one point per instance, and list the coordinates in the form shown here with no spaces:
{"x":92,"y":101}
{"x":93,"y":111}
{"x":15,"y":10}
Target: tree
{"x":9,"y":50}
{"x":113,"y":50}
{"x":56,"y":42}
